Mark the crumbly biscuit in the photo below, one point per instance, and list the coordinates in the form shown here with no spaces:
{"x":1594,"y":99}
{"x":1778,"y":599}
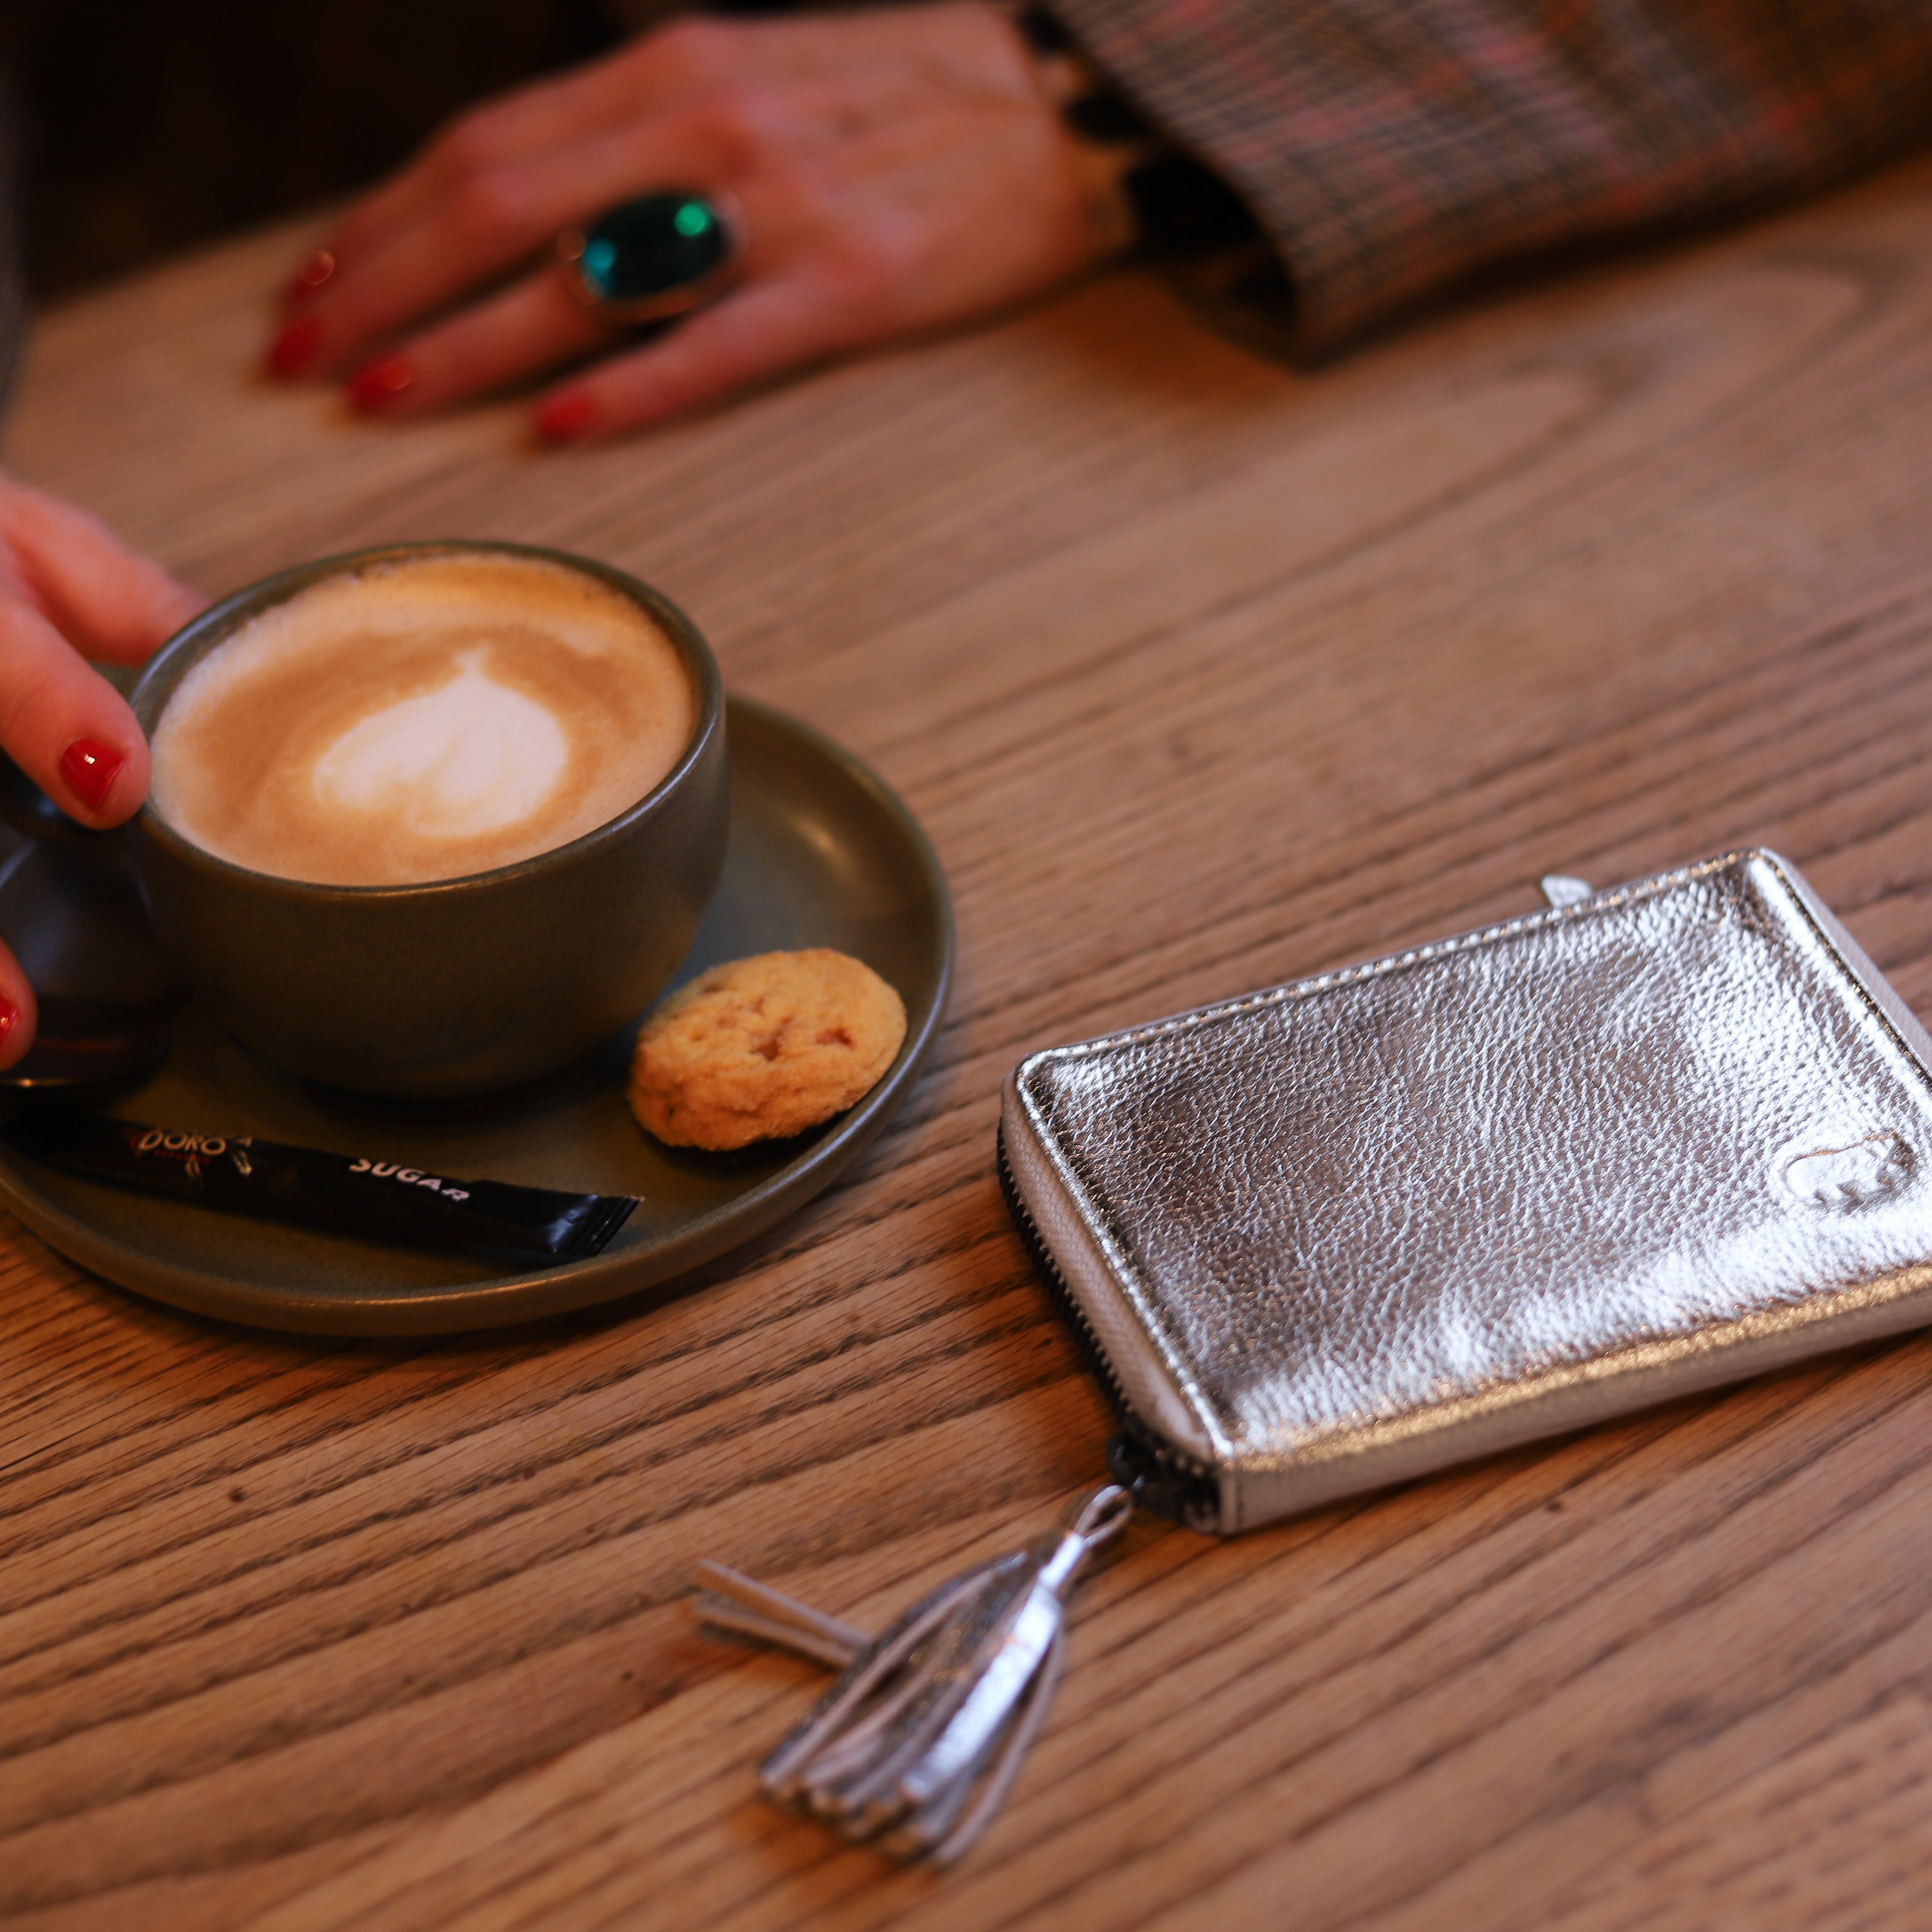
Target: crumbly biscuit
{"x":762,"y":1048}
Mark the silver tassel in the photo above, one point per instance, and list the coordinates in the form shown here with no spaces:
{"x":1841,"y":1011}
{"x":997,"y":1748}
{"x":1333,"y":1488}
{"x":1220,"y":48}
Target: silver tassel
{"x":916,"y":1746}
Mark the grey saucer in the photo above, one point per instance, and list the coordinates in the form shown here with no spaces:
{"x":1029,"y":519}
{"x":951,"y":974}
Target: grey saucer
{"x":820,"y":854}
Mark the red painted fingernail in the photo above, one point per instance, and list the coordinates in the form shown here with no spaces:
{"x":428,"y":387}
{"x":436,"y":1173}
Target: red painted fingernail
{"x":376,"y":384}
{"x":9,"y":1017}
{"x":293,"y":350}
{"x":90,"y":769}
{"x":565,"y":418}
{"x":309,"y":277}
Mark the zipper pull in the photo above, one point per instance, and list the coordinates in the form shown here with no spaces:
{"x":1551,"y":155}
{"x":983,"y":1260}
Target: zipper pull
{"x":916,"y":1746}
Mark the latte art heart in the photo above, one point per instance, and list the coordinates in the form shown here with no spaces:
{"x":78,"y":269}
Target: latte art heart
{"x":470,"y":758}
{"x":421,"y":720}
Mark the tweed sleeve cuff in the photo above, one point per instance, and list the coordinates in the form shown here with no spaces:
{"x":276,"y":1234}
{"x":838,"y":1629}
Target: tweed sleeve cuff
{"x":1391,"y":148}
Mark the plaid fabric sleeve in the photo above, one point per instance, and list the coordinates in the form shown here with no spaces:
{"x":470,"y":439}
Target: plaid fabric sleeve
{"x":1391,"y":147}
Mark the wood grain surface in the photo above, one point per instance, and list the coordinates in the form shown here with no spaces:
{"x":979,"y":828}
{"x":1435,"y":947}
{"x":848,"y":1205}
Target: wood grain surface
{"x":1201,"y":674}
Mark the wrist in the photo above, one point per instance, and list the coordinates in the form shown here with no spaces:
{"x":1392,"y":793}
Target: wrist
{"x":1161,"y":200}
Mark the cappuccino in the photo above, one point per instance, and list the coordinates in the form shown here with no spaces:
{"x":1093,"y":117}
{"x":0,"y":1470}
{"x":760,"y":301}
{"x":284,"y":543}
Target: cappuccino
{"x":422,"y":719}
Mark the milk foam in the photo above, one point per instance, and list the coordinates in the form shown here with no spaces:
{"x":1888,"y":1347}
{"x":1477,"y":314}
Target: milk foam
{"x":471,"y":756}
{"x":421,"y":720}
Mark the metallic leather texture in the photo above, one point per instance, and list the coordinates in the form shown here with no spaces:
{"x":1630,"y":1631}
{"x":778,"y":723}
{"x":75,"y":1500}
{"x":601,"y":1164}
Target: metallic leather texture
{"x":1346,"y":1231}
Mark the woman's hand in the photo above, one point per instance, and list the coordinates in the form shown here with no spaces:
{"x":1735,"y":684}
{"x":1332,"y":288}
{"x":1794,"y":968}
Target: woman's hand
{"x":897,"y":170}
{"x":67,"y":588}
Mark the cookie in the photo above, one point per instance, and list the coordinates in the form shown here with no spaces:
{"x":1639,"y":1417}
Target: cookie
{"x":762,"y":1048}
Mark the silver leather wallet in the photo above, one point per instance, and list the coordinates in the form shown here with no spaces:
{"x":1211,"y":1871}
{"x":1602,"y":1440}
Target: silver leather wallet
{"x":1341,"y":1233}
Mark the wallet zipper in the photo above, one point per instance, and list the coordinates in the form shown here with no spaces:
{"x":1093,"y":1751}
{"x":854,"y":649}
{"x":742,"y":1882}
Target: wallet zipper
{"x":1160,"y":1477}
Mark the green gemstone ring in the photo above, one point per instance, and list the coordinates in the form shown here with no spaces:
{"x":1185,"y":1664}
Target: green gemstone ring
{"x":652,"y":257}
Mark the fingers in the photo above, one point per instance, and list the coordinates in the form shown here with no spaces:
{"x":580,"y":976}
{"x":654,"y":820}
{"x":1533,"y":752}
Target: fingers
{"x":651,"y":75}
{"x":499,"y":186}
{"x":500,"y":134}
{"x":531,"y":326}
{"x":534,"y":324}
{"x":66,"y":585}
{"x":65,"y":582}
{"x":492,"y":222}
{"x":114,"y":605}
{"x":66,"y":727}
{"x":762,"y":331}
{"x":19,"y":1014}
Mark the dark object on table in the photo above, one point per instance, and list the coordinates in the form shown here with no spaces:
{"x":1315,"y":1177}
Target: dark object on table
{"x":352,"y":1194}
{"x":72,"y":914}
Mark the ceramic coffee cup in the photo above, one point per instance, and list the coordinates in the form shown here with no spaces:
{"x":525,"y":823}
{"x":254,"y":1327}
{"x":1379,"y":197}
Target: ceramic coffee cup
{"x":456,"y":986}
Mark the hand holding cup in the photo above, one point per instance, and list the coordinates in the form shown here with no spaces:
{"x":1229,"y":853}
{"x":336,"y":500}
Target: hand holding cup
{"x":69,"y":592}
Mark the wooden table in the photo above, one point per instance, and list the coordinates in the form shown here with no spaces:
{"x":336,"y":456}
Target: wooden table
{"x":1202,"y":675}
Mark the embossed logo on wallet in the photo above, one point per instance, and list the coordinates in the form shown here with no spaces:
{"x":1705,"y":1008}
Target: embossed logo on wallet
{"x":1845,"y":1177}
